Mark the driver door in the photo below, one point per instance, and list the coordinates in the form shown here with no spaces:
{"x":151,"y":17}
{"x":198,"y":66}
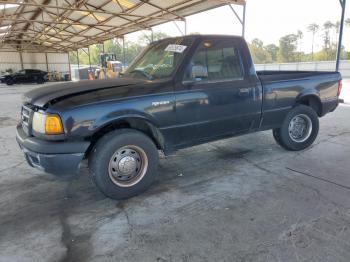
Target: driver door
{"x":217,"y":97}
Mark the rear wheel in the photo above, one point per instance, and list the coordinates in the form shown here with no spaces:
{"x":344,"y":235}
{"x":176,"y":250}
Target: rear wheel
{"x":299,"y":129}
{"x":9,"y":82}
{"x":123,"y":163}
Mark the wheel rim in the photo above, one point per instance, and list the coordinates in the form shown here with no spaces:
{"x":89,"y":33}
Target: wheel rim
{"x":300,"y":128}
{"x":128,"y":166}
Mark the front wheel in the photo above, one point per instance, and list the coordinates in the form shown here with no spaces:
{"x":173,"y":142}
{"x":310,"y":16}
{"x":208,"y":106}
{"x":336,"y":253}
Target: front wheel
{"x":299,"y":129}
{"x":40,"y":80}
{"x":123,"y":163}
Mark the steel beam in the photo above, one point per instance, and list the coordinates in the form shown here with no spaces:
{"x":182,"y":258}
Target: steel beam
{"x":124,"y":61}
{"x":88,"y":48}
{"x":58,"y":24}
{"x":178,"y":28}
{"x":341,"y":30}
{"x":47,"y":62}
{"x":78,"y":61}
{"x":241,"y":20}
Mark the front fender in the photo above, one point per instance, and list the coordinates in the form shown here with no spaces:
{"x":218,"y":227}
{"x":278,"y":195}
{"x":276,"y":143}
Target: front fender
{"x":135,"y":120}
{"x":122,"y":115}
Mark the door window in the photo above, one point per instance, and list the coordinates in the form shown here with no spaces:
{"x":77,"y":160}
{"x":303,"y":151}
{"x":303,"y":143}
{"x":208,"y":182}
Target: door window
{"x":215,"y":60}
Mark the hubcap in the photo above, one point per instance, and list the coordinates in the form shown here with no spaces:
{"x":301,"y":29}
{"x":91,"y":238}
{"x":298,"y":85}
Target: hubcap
{"x":300,"y":128}
{"x":127,"y":166}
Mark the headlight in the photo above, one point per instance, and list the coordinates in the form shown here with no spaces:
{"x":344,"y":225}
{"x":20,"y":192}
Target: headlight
{"x":47,"y":124}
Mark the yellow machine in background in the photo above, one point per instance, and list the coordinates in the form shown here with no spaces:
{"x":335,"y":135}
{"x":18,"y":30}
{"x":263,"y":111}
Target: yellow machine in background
{"x":110,"y":67}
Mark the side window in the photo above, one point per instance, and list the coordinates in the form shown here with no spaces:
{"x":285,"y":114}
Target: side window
{"x":215,"y":60}
{"x":31,"y":71}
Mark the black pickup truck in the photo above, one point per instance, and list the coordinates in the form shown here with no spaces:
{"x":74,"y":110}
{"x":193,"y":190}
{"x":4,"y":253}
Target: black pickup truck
{"x":178,"y":93}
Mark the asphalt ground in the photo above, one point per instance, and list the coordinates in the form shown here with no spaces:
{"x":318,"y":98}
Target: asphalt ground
{"x":240,"y":199}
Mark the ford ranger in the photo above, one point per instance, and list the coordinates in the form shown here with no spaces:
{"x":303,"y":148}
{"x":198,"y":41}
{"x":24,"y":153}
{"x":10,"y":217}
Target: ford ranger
{"x":178,"y":92}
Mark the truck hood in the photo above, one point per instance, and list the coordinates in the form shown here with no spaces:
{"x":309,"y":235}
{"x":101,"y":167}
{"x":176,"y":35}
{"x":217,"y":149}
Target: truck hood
{"x":44,"y":95}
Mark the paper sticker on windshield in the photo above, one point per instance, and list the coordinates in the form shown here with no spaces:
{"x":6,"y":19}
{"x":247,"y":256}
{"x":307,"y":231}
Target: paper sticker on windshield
{"x":175,"y":48}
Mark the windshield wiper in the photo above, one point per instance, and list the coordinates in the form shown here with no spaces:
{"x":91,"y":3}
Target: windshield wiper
{"x":145,"y":74}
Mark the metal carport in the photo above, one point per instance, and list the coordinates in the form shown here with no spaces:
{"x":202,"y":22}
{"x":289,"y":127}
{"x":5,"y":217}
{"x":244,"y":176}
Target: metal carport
{"x":67,"y":25}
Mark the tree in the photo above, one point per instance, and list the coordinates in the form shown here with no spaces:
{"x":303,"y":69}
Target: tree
{"x":313,"y":28}
{"x":259,"y":54}
{"x":300,"y":36}
{"x":326,"y":36}
{"x":347,"y":22}
{"x":272,"y":50}
{"x":288,"y":46}
{"x":147,"y":39}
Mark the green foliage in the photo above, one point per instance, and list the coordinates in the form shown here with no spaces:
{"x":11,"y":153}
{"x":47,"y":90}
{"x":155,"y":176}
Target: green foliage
{"x":263,"y":54}
{"x":347,"y":22}
{"x":272,"y":49}
{"x":114,"y":46}
{"x":313,"y":28}
{"x":289,"y":46}
{"x":147,"y":39}
{"x":258,"y":52}
{"x":288,"y":49}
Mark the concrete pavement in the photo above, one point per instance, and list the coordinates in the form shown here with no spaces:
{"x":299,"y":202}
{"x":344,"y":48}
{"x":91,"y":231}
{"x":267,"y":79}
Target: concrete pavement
{"x":240,"y":199}
{"x":345,"y":93}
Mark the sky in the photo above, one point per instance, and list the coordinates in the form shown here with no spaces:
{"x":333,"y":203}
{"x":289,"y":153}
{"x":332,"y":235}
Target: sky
{"x":267,"y":20}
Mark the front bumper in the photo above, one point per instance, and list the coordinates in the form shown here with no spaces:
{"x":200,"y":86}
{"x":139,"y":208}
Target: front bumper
{"x":58,"y":158}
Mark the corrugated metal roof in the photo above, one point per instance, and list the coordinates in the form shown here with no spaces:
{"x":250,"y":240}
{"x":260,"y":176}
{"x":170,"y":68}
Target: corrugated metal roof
{"x":64,"y":25}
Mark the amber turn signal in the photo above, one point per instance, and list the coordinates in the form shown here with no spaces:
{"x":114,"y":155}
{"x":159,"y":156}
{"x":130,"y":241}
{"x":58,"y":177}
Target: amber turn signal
{"x":53,"y":125}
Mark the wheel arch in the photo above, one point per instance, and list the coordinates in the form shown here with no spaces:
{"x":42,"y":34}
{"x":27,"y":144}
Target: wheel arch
{"x":138,"y":123}
{"x":311,"y":100}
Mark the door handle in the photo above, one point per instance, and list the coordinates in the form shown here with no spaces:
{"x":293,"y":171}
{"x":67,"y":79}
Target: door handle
{"x":244,"y":90}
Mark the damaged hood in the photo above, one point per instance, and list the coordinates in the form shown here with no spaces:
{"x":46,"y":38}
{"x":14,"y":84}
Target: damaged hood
{"x":44,"y":95}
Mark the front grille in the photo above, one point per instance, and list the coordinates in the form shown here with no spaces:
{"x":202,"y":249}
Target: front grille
{"x":26,"y":116}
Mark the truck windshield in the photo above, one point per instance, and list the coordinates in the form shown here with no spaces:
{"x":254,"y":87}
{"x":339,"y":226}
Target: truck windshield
{"x":159,"y":60}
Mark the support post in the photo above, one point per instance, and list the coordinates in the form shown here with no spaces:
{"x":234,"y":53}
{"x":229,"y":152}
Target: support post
{"x":178,"y":28}
{"x":243,"y":22}
{"x":89,"y":57}
{"x":21,"y":59}
{"x":47,"y":63}
{"x":78,"y":64}
{"x":343,"y":5}
{"x":104,"y":67}
{"x":78,"y":58}
{"x":70,"y":68}
{"x":124,"y":52}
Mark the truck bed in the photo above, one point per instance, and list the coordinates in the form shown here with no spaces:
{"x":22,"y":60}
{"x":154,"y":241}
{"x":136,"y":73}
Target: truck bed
{"x":274,"y":75}
{"x":283,"y":89}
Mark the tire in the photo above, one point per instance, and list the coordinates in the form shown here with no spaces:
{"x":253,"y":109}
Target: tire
{"x":9,"y":82}
{"x":40,"y":80}
{"x":107,"y":158}
{"x":276,"y":135}
{"x":305,"y":132}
